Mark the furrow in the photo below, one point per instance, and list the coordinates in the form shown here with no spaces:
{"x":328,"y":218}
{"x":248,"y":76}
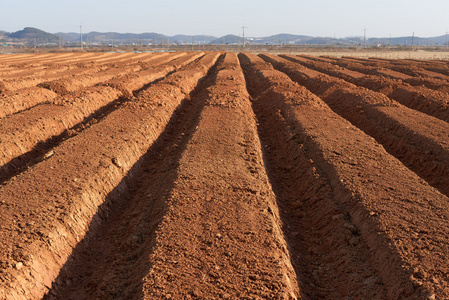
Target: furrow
{"x":14,"y":102}
{"x":28,"y":58}
{"x":81,"y":172}
{"x":133,"y":82}
{"x":225,"y":239}
{"x":72,"y":72}
{"x":71,"y":84}
{"x":26,"y":74}
{"x":26,"y":136}
{"x":431,"y":83}
{"x":421,"y":68}
{"x":418,"y":140}
{"x":433,"y":103}
{"x":362,"y":209}
{"x":112,"y":259}
{"x":74,"y":58}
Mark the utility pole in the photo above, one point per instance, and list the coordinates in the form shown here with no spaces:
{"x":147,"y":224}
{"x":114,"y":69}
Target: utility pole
{"x":243,"y":27}
{"x":81,"y":37}
{"x":390,"y":40}
{"x":413,"y":39}
{"x":364,"y":37}
{"x":193,"y":38}
{"x":447,"y":44}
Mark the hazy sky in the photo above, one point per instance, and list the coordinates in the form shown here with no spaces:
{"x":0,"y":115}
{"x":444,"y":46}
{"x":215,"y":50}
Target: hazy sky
{"x":262,"y":18}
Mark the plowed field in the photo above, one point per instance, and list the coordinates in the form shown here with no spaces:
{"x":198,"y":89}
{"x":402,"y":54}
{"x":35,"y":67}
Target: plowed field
{"x":207,"y":175}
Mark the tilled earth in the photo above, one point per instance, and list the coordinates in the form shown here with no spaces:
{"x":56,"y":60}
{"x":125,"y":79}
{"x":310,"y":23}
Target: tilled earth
{"x":207,"y":175}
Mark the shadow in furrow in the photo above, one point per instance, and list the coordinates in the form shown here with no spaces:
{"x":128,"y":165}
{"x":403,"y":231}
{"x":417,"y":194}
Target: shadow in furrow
{"x":113,"y":258}
{"x":146,"y":86}
{"x":323,"y":243}
{"x":43,"y":150}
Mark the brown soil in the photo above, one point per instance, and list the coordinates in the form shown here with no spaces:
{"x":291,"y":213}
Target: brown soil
{"x":420,"y":67}
{"x":24,"y":134}
{"x":216,"y":176}
{"x":25,"y":92}
{"x":23,"y":76}
{"x":420,"y":141}
{"x":332,"y":147}
{"x":429,"y":101}
{"x":430,"y":82}
{"x":107,"y":153}
{"x":13,"y":102}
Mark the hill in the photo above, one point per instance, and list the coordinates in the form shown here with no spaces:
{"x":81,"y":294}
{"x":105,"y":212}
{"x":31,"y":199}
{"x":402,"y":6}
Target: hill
{"x":228,"y":39}
{"x":30,"y":35}
{"x":34,"y":36}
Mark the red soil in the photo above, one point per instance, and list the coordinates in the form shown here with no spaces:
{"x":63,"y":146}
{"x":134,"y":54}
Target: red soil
{"x":217,"y":176}
{"x":23,"y":132}
{"x":429,"y":101}
{"x":430,"y":82}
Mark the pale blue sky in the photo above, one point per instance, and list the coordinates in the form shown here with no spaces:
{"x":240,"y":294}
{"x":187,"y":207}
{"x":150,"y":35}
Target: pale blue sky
{"x":211,"y":17}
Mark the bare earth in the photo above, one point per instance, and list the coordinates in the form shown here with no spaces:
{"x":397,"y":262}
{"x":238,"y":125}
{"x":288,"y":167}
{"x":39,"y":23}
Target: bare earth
{"x":215,"y":175}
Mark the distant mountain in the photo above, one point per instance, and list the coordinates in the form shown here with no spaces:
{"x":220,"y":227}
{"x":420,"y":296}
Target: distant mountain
{"x":282,"y":38}
{"x":34,"y":36}
{"x":441,"y":40}
{"x":114,"y":37}
{"x":228,"y":39}
{"x":30,"y":34}
{"x":69,"y":36}
{"x":133,"y":38}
